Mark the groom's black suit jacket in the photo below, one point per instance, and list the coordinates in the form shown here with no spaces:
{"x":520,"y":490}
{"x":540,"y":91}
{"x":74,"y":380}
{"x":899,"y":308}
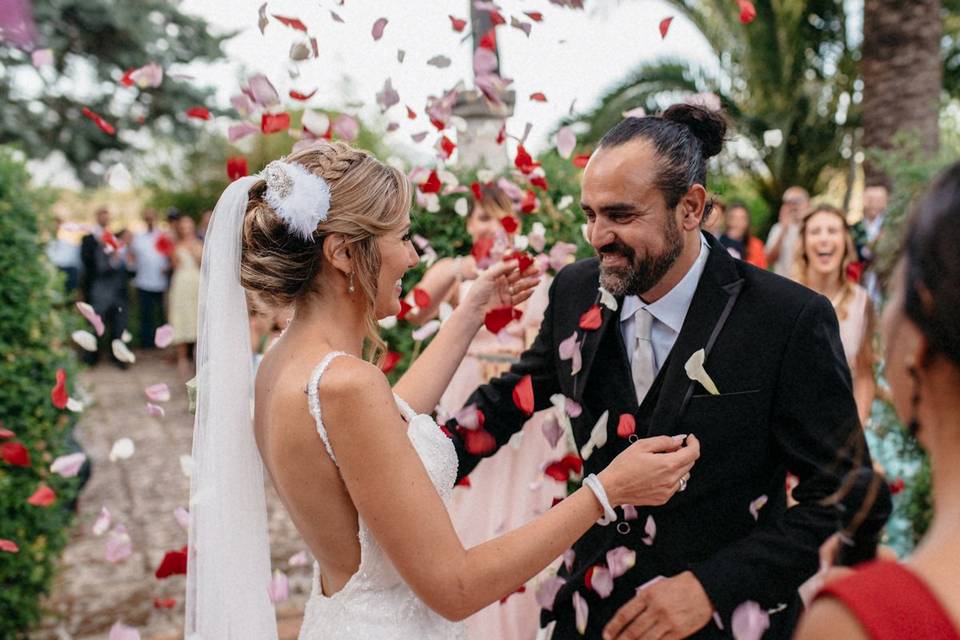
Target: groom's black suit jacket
{"x":785,"y":404}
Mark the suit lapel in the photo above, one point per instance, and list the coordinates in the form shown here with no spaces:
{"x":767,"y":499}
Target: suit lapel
{"x":712,"y":303}
{"x":590,"y":345}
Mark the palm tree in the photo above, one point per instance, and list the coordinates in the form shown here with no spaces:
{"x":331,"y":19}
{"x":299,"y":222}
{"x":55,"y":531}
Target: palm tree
{"x":789,"y":70}
{"x":902,"y":74}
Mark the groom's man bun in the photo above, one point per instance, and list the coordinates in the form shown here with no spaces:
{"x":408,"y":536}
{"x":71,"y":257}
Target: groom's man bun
{"x":685,"y":136}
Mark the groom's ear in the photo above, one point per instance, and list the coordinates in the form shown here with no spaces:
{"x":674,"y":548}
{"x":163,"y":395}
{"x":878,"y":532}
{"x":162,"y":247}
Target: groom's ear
{"x":336,"y":250}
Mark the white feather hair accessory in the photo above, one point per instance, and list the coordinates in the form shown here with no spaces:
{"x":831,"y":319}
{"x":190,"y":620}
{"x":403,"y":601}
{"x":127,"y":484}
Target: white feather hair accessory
{"x":300,"y":198}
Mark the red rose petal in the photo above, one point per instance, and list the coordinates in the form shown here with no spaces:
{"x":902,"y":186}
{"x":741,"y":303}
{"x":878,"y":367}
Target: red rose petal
{"x":421,"y":298}
{"x":477,"y":191}
{"x":58,"y":395}
{"x":273,"y":122}
{"x":627,"y":425}
{"x":127,"y":79}
{"x":523,"y":395}
{"x":411,"y":114}
{"x":478,"y":441}
{"x":573,"y":462}
{"x":405,"y":308}
{"x":164,"y":603}
{"x":236,"y":168}
{"x":8,"y":545}
{"x":447,"y":146}
{"x":200,"y":113}
{"x":457,"y":24}
{"x":432,"y":184}
{"x":105,"y":126}
{"x":538,"y":96}
{"x":558,"y":471}
{"x":296,"y":95}
{"x":665,"y":26}
{"x":173,"y":563}
{"x":15,"y":453}
{"x":523,"y":259}
{"x":588,"y":577}
{"x":509,"y":224}
{"x":489,"y":41}
{"x":42,"y":497}
{"x":163,"y":244}
{"x":496,"y":18}
{"x":897,"y":486}
{"x":464,"y":482}
{"x":529,"y":202}
{"x":293,"y":23}
{"x":502,"y":134}
{"x":439,"y":124}
{"x":523,"y":161}
{"x":536,"y":16}
{"x":580,"y":160}
{"x":540,"y":182}
{"x":747,"y":11}
{"x":390,"y":361}
{"x":591,"y":319}
{"x":110,"y":240}
{"x":496,"y":319}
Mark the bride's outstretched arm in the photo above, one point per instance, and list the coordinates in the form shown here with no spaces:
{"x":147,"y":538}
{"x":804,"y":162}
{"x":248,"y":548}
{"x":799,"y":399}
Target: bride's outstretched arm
{"x":429,"y":375}
{"x":396,"y":499}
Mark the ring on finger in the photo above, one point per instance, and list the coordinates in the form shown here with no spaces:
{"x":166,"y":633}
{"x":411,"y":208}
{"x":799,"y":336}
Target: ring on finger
{"x":683,"y":482}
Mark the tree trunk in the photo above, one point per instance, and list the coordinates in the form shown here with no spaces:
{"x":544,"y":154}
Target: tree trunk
{"x":902,"y":74}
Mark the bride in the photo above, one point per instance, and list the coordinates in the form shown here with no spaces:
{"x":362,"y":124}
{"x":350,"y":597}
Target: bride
{"x":362,"y":469}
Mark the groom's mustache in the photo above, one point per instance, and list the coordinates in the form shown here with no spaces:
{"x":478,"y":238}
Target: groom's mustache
{"x":616,"y":248}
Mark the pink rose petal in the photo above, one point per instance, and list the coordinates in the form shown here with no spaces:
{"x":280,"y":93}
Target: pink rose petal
{"x":182,"y":517}
{"x":547,"y":592}
{"x":120,"y":631}
{"x":234,"y":132}
{"x":426,"y":330}
{"x":378,"y":28}
{"x":346,"y":127}
{"x":262,"y":91}
{"x":630,"y":512}
{"x":155,"y":410}
{"x":756,"y":505}
{"x":279,"y":587}
{"x":244,"y":105}
{"x":467,"y":417}
{"x":566,"y":141}
{"x":582,"y":610}
{"x":620,"y":560}
{"x":69,"y":465}
{"x":159,"y":392}
{"x":650,"y":528}
{"x":552,"y":430}
{"x":388,"y":96}
{"x":299,"y":559}
{"x":572,"y":408}
{"x":92,"y":317}
{"x":601,"y":581}
{"x":749,"y":621}
{"x":568,"y":557}
{"x":102,"y":523}
{"x":119,"y":544}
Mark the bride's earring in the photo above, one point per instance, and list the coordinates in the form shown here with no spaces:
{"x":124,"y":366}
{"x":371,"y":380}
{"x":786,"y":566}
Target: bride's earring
{"x":914,"y":425}
{"x":350,"y":287}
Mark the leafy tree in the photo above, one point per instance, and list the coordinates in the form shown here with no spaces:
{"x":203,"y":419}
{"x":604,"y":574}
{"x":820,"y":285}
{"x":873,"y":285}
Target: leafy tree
{"x":94,"y":42}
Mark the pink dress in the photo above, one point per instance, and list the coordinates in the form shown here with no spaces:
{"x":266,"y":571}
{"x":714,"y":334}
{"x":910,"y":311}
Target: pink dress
{"x":508,"y":489}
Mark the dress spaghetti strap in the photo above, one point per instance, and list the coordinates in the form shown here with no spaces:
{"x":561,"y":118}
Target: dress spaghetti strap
{"x":313,"y":394}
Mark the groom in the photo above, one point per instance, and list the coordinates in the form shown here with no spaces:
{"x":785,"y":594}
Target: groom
{"x":783,"y":401}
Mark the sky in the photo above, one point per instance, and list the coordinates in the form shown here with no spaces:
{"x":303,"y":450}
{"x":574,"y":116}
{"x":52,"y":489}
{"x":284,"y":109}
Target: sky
{"x":572,"y":56}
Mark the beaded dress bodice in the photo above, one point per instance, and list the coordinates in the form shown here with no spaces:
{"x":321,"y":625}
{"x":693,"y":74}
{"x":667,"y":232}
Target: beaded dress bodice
{"x":376,"y":602}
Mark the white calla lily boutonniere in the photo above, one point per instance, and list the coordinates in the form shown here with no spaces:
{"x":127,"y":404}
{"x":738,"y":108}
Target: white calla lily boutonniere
{"x":608,"y":300}
{"x":697,"y":373}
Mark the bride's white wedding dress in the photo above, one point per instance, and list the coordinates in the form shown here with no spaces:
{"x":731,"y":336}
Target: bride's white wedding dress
{"x":376,"y":602}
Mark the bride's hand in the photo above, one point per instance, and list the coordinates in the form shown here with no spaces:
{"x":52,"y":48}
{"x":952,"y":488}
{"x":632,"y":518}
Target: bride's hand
{"x":501,"y":285}
{"x":650,"y":471}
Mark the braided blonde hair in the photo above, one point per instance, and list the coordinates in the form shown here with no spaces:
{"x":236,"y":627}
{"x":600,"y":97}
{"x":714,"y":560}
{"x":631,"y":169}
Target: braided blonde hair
{"x":367,"y":200}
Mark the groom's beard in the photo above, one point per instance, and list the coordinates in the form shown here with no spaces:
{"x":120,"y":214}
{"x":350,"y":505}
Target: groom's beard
{"x":641,"y":274}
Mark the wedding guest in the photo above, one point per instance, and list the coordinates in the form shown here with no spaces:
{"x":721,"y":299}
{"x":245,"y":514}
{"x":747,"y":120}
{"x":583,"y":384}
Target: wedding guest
{"x":152,"y":279}
{"x":867,"y":232}
{"x":714,"y":223}
{"x":65,"y":256}
{"x":920,"y":598}
{"x":825,"y":251}
{"x":738,"y":238}
{"x":509,"y":490}
{"x":106,"y":275}
{"x":185,"y":291}
{"x":782,"y":239}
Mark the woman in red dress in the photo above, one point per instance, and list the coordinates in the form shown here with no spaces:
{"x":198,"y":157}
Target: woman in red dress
{"x":921,"y":327}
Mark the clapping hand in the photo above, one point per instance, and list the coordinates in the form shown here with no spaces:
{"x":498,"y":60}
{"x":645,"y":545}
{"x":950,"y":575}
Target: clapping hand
{"x":501,"y":285}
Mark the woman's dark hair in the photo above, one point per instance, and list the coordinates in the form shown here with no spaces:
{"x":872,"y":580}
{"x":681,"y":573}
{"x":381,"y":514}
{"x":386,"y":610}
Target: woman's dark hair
{"x":736,"y":204}
{"x":932,"y":256}
{"x":685,"y":136}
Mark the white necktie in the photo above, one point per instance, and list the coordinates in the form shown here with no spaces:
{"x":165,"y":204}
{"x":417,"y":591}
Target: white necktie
{"x":643,"y":365}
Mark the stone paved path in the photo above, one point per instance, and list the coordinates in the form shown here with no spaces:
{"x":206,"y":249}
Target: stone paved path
{"x":142,"y":492}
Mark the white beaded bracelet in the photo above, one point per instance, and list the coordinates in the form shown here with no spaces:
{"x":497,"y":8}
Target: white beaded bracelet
{"x":593,"y":483}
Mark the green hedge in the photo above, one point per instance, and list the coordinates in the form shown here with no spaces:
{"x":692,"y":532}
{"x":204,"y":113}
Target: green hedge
{"x":33,"y":333}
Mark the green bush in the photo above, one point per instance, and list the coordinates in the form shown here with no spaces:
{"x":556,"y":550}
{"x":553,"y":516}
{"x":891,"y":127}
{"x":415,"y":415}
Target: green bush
{"x":32,"y":348}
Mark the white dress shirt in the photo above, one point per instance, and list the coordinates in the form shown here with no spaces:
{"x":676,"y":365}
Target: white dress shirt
{"x":668,"y":312}
{"x":152,"y":265}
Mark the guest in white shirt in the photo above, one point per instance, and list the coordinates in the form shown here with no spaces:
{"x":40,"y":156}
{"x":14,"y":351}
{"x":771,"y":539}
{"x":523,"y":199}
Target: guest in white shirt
{"x":152,"y":279}
{"x":65,"y":255}
{"x":782,"y":240}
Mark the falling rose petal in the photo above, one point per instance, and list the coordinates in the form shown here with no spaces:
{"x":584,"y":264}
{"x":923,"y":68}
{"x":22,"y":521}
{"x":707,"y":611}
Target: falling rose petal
{"x":121,"y":352}
{"x":598,"y":436}
{"x":568,"y":557}
{"x":601,"y":581}
{"x":378,"y":27}
{"x":119,"y":546}
{"x":58,"y":395}
{"x":164,"y":603}
{"x":440,"y":62}
{"x":620,"y":560}
{"x":571,"y":407}
{"x":274,"y":122}
{"x":432,"y":184}
{"x":523,"y":395}
{"x":650,"y":529}
{"x":390,"y":361}
{"x":580,"y":160}
{"x":591,"y":318}
{"x":298,"y":559}
{"x":198,"y":113}
{"x":85,"y":339}
{"x":315,"y":122}
{"x":570,"y":349}
{"x":98,"y":120}
{"x":547,"y":591}
{"x":279,"y":587}
{"x":15,"y":454}
{"x":92,"y":317}
{"x":665,"y":26}
{"x":756,"y":505}
{"x":566,"y":140}
{"x":69,"y":465}
{"x":163,"y":336}
{"x":496,"y":319}
{"x":468,"y":417}
{"x":529,"y":203}
{"x":538,"y":96}
{"x":262,"y":20}
{"x":562,"y":254}
{"x":296,"y":95}
{"x":478,"y":442}
{"x":457,"y":23}
{"x":159,"y":392}
{"x":236,"y":169}
{"x":262,"y":91}
{"x":630,"y":512}
{"x":523,"y":161}
{"x":346,"y":127}
{"x":43,"y":496}
{"x":8,"y":545}
{"x":155,"y":410}
{"x":401,"y":54}
{"x":182,"y":516}
{"x":582,"y":610}
{"x":747,"y":11}
{"x":120,"y":631}
{"x":174,"y":563}
{"x":551,"y":429}
{"x":536,"y":16}
{"x":102,"y":522}
{"x":122,"y":449}
{"x":426,"y":330}
{"x":421,"y":298}
{"x":336,"y":17}
{"x":521,"y":25}
{"x":388,"y":96}
{"x":627,"y":426}
{"x":293,"y":23}
{"x":749,"y":621}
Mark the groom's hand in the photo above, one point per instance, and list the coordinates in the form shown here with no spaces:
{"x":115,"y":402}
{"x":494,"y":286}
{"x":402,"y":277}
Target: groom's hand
{"x":670,"y":608}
